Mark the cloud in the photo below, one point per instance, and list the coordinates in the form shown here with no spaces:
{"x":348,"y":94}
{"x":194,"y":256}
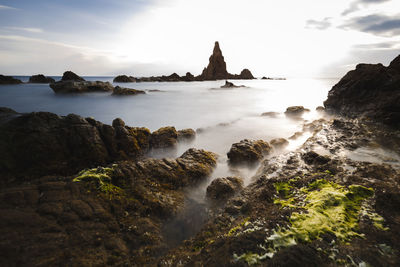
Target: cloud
{"x":380,"y":25}
{"x":6,"y":7}
{"x":26,"y":29}
{"x":355,"y":6}
{"x":378,"y":46}
{"x":319,"y":25}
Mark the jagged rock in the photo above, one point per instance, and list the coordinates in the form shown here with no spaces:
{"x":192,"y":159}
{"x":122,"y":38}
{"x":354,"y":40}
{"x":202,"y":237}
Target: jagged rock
{"x":40,"y":78}
{"x":188,"y":77}
{"x":371,"y":91}
{"x":42,"y":143}
{"x":81,"y":87}
{"x":174,"y":77}
{"x":9,"y":80}
{"x":270,"y":114}
{"x":126,"y":91}
{"x":279,"y":143}
{"x":70,"y":76}
{"x":216,"y":69}
{"x":295,"y":111}
{"x":248,"y":151}
{"x":223,"y":188}
{"x":186,"y":135}
{"x":124,"y":79}
{"x":165,"y":137}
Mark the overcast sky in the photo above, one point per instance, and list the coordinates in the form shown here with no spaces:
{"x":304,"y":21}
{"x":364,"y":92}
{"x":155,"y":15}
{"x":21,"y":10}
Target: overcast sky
{"x":291,"y":38}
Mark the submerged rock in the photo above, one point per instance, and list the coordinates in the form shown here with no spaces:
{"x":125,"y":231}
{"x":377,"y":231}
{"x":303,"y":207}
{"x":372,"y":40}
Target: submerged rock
{"x":231,"y":85}
{"x":221,"y":189}
{"x":248,"y":151}
{"x":371,"y":91}
{"x":40,"y":78}
{"x":81,"y":87}
{"x":124,"y":79}
{"x":127,"y":91}
{"x":9,"y":80}
{"x":270,"y":114}
{"x":295,"y":111}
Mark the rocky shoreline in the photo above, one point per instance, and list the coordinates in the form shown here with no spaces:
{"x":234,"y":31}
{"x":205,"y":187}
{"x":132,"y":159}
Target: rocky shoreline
{"x":79,"y":192}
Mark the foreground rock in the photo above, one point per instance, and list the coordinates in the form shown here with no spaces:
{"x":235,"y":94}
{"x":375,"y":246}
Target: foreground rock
{"x":221,"y":189}
{"x":186,"y":135}
{"x":126,"y":91}
{"x":248,"y":152}
{"x":40,"y":78}
{"x":371,"y":91}
{"x":295,"y":111}
{"x":101,"y":216}
{"x":9,"y":80}
{"x":163,"y":138}
{"x":124,"y":79}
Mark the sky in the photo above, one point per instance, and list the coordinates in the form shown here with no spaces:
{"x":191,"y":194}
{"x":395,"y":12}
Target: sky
{"x":285,"y":38}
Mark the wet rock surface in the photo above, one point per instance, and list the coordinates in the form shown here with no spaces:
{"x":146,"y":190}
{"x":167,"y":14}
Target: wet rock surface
{"x":40,"y":78}
{"x":9,"y":80}
{"x":127,"y":91}
{"x":295,"y":111}
{"x":186,"y":135}
{"x":248,"y":151}
{"x":371,"y":90}
{"x":165,"y":137}
{"x":221,"y":189}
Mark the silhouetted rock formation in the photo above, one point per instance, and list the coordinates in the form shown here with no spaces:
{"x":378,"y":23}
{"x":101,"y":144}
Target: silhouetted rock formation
{"x":9,"y":80}
{"x":124,"y":79}
{"x":70,"y":76}
{"x":40,"y":78}
{"x":126,"y":91}
{"x":81,"y":87}
{"x":371,"y":90}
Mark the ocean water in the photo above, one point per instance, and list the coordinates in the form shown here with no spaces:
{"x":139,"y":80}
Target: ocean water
{"x":225,"y":116}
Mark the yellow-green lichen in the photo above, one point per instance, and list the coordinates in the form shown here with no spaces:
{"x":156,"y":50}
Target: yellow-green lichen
{"x":236,"y":229}
{"x":101,"y":176}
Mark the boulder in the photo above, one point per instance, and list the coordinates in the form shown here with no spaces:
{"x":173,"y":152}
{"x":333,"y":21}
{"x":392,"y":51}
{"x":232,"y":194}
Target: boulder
{"x":81,"y":87}
{"x":320,"y":109}
{"x":279,"y":143}
{"x":295,"y":111}
{"x":126,"y":91}
{"x":223,"y":188}
{"x":270,"y":114}
{"x":70,"y":76}
{"x":40,"y":78}
{"x":43,"y":143}
{"x":248,"y":151}
{"x":371,"y":91}
{"x":245,"y":74}
{"x":124,"y":79}
{"x":165,"y":137}
{"x":231,"y":85}
{"x":186,"y":135}
{"x":9,"y":80}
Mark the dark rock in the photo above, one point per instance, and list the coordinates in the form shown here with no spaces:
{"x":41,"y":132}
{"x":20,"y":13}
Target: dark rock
{"x":42,"y":143}
{"x":313,"y":158}
{"x":216,"y":69}
{"x":371,"y":91}
{"x":40,"y":78}
{"x":270,"y":114}
{"x":223,"y":188}
{"x":246,"y":75}
{"x":118,"y":122}
{"x":266,"y":78}
{"x":173,"y":77}
{"x":165,"y":137}
{"x":81,"y":87}
{"x":124,"y":79}
{"x":295,"y":111}
{"x":188,"y":77}
{"x":279,"y":143}
{"x":70,"y":76}
{"x":231,"y":85}
{"x":126,"y":91}
{"x":248,"y":151}
{"x":186,"y":135}
{"x":9,"y":80}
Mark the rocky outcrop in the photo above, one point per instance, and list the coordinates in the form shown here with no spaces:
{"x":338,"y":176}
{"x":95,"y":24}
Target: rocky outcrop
{"x":186,"y":135}
{"x":248,"y":152}
{"x":81,"y":87}
{"x":231,"y":85}
{"x":9,"y":80}
{"x":71,"y":76}
{"x":102,"y":216}
{"x":126,"y":91}
{"x":124,"y":79}
{"x":42,"y":143}
{"x":163,"y":138}
{"x":371,"y":91}
{"x":221,"y":189}
{"x":40,"y":78}
{"x":188,"y":77}
{"x":295,"y":111}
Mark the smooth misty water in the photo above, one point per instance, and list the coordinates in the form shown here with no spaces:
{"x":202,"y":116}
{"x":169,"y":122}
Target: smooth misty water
{"x":225,"y":115}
